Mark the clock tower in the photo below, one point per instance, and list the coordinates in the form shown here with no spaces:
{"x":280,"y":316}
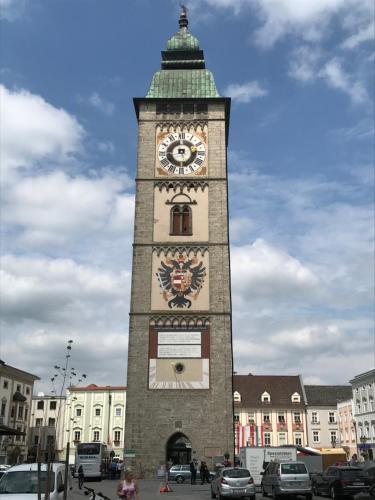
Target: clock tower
{"x":179,"y":397}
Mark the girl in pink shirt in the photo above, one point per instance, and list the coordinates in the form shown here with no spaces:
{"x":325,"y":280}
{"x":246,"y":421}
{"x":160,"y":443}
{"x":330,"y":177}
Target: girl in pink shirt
{"x":128,"y":488}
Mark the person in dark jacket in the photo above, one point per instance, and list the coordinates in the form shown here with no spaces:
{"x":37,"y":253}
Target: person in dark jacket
{"x":193,"y":470}
{"x":204,"y":472}
{"x":81,"y":477}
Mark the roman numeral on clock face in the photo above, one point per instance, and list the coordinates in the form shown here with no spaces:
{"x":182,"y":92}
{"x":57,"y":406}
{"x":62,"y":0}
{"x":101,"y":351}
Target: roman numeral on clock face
{"x":198,"y":161}
{"x":164,"y":162}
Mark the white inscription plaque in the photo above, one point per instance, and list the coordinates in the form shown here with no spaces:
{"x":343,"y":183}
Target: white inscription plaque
{"x":179,"y":338}
{"x":179,"y":351}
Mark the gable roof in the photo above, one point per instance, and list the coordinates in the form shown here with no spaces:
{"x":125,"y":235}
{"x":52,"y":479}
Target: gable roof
{"x":280,"y":388}
{"x":327,"y":395}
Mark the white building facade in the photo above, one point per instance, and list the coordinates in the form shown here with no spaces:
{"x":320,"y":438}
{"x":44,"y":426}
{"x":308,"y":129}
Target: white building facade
{"x":363,"y":387}
{"x":347,"y":431}
{"x":16,"y":388}
{"x":322,"y":415}
{"x":95,"y":413}
{"x":47,"y":425}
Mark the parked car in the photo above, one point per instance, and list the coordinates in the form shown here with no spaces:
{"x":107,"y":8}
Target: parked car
{"x":181,"y":473}
{"x":21,"y":482}
{"x":233,"y":482}
{"x":340,"y":480}
{"x":286,"y":478}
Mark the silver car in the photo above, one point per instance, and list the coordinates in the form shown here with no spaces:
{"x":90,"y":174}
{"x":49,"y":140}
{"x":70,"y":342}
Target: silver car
{"x":233,"y":482}
{"x":286,"y":478}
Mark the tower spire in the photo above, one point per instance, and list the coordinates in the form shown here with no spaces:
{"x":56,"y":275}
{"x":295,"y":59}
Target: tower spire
{"x":183,"y":21}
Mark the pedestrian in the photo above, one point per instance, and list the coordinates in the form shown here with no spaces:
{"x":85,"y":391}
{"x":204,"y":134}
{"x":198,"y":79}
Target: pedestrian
{"x":193,"y":470}
{"x":226,"y":461}
{"x":81,"y":477}
{"x":203,"y":470}
{"x":354,"y":459}
{"x":128,"y":488}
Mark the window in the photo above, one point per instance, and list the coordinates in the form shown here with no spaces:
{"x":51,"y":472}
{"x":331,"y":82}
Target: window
{"x":78,"y":412}
{"x":20,"y":412}
{"x":12,"y":412}
{"x":364,"y":406}
{"x":251,"y":417}
{"x":331,"y":417}
{"x":26,"y":413}
{"x":266,"y":417}
{"x":298,"y":439}
{"x":39,"y":422}
{"x":27,"y":390}
{"x":36,"y":439}
{"x":267,"y":439}
{"x":52,"y":405}
{"x":314,"y":417}
{"x":282,"y":438}
{"x":281,"y":417}
{"x":51,"y":422}
{"x":5,"y":384}
{"x":236,"y":417}
{"x":97,"y":412}
{"x":118,"y":412}
{"x":96,"y":436}
{"x":236,"y":396}
{"x":316,"y":437}
{"x":40,"y":405}
{"x":181,"y":223}
{"x":266,"y":398}
{"x":18,"y":388}
{"x":296,"y":398}
{"x":3,"y":408}
{"x":297,"y":417}
{"x":77,"y":435}
{"x":117,"y":435}
{"x":333,"y":437}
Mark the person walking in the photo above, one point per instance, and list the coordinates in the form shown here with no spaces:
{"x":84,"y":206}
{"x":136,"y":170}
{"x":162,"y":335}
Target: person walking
{"x":81,"y":477}
{"x":204,"y":473}
{"x":128,"y":488}
{"x":193,"y":470}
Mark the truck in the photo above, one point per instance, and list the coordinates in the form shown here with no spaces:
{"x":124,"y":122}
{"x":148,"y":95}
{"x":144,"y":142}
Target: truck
{"x":255,"y":459}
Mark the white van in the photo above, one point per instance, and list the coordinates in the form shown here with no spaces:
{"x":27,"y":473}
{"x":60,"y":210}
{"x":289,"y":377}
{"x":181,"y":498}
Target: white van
{"x":20,"y":482}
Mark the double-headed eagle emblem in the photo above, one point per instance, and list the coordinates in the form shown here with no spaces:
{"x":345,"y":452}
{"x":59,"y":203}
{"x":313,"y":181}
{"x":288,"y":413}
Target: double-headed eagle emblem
{"x":181,"y":278}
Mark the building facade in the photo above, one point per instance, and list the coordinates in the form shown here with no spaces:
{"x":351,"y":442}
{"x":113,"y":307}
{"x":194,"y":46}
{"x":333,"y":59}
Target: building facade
{"x":16,"y":388}
{"x":180,"y":345}
{"x":47,"y":426}
{"x":322,"y":414}
{"x":269,"y":410}
{"x":95,"y":413}
{"x":347,"y":431}
{"x":363,"y":394}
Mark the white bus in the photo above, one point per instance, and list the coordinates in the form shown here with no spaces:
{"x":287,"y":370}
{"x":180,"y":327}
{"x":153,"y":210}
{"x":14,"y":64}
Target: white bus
{"x":94,"y":458}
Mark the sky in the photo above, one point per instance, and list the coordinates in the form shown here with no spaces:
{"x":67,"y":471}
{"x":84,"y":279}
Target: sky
{"x":300,"y":162}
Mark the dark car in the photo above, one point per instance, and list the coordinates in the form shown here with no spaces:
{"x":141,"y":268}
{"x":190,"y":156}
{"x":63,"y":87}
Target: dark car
{"x":337,"y":481}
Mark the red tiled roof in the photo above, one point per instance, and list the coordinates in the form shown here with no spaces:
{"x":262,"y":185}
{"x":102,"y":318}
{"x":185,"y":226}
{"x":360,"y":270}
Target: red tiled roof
{"x":280,"y":388}
{"x":94,"y":387}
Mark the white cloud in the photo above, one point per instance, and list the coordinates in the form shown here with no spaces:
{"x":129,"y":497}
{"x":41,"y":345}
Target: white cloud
{"x":337,"y":78}
{"x":96,"y":101}
{"x":364,"y":34}
{"x":304,"y":63}
{"x":11,"y":9}
{"x":32,"y":129}
{"x":245,"y":92}
{"x":106,"y":147}
{"x":260,"y":270}
{"x":53,"y":208}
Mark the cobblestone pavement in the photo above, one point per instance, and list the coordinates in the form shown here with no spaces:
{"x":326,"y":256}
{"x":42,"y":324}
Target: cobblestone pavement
{"x":149,"y":490}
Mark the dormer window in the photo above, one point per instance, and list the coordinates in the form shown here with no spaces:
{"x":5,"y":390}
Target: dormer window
{"x":236,"y":397}
{"x":266,"y":398}
{"x":296,"y":398}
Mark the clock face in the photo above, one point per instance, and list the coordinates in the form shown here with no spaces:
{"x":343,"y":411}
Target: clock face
{"x":181,"y":153}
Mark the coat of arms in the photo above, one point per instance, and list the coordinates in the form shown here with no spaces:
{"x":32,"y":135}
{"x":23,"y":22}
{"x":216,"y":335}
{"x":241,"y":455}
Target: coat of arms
{"x":180,"y":278}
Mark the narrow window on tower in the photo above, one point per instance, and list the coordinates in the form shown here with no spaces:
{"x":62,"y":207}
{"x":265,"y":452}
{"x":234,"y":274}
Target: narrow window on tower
{"x":181,"y":220}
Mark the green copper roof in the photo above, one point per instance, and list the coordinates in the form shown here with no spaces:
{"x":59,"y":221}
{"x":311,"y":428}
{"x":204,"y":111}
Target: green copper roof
{"x":183,"y":72}
{"x":183,"y":40}
{"x":183,"y":83}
